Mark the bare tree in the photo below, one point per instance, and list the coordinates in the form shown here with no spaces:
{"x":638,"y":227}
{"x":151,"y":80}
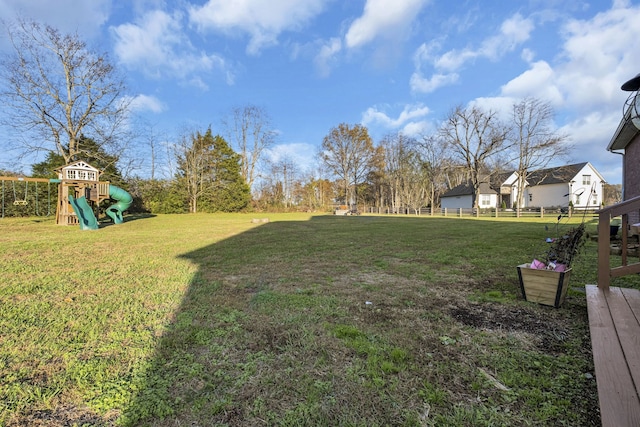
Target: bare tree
{"x":315,"y":192}
{"x":249,"y":129}
{"x":193,"y":154}
{"x":400,"y":158}
{"x":377,"y":190}
{"x":56,"y":91}
{"x":535,"y":141}
{"x":612,"y":194}
{"x":415,"y":191}
{"x":474,"y":135}
{"x":436,"y":163}
{"x":284,"y":173}
{"x":151,"y":150}
{"x":348,"y":152}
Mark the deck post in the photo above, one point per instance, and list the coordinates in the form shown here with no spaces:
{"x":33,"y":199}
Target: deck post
{"x":604,"y":236}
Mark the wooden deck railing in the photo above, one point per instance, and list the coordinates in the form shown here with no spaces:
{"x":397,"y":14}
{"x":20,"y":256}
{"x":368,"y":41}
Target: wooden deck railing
{"x":605,"y":271}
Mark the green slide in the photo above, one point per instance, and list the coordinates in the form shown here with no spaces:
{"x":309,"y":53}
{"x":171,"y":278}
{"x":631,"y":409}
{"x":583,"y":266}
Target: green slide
{"x":123,"y":201}
{"x":83,"y":211}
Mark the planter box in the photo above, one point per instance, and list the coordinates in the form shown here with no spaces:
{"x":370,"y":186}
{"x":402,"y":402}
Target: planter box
{"x":546,"y":287}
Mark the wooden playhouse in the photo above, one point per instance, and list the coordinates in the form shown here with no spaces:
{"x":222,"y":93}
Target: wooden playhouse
{"x":78,"y":179}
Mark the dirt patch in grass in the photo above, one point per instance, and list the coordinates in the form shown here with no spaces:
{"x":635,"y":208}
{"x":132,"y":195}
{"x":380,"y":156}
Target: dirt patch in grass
{"x":62,"y":416}
{"x":547,"y":331}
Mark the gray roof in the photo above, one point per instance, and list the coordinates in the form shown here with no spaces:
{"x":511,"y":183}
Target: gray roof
{"x":466,"y":189}
{"x":557,"y":175}
{"x":498,"y":179}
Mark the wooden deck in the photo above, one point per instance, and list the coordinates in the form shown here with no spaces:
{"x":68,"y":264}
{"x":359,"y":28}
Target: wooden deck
{"x":614,"y":321}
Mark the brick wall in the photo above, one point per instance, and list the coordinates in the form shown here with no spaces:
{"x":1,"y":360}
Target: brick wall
{"x":631,"y":180}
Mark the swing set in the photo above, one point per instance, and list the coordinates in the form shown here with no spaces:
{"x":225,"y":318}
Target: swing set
{"x":79,"y":194}
{"x":20,"y":193}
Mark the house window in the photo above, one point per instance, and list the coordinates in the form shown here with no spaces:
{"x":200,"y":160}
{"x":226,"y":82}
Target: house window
{"x":586,"y":179}
{"x":594,"y":198}
{"x":485,"y":200}
{"x":577,"y":199}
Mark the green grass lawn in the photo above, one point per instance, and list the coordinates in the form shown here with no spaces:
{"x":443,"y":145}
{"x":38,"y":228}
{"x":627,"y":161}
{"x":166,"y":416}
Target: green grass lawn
{"x":305,"y":320}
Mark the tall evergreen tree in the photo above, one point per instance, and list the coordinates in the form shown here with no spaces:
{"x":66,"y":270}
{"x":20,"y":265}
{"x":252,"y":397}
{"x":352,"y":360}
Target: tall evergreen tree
{"x":210,"y":171}
{"x":231,"y":193}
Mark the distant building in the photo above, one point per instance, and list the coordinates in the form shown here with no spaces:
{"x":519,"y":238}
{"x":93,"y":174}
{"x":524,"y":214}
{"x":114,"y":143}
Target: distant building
{"x":580,"y":184}
{"x":461,"y":197}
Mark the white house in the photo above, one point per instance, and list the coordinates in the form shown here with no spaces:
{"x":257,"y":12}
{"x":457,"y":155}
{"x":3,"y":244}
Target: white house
{"x":580,"y":184}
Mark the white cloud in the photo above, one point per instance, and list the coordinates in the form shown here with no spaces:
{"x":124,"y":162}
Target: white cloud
{"x":454,"y":59}
{"x":421,"y":84}
{"x":147,"y":103}
{"x":385,"y":20}
{"x":426,"y":52}
{"x":156,"y":45}
{"x":68,"y":16}
{"x":596,"y":57}
{"x":538,"y":82}
{"x":513,"y":32}
{"x":599,"y":55}
{"x":327,"y":56}
{"x":262,"y":20}
{"x":386,"y":17}
{"x":590,"y":135}
{"x":409,"y":112}
{"x":593,"y":130}
{"x":411,"y":121}
{"x":501,"y":105}
{"x":527,"y":55}
{"x":300,"y":153}
{"x":416,"y":129}
{"x":583,"y":82}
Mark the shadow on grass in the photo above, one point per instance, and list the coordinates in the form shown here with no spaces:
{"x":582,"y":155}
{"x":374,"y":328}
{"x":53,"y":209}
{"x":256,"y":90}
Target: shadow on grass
{"x":105,"y":221}
{"x":337,"y":321}
{"x":248,"y":344}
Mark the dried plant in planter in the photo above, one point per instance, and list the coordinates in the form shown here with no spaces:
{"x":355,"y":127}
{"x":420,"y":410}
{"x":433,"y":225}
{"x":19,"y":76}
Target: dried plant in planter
{"x":546,"y":280}
{"x":564,"y":249}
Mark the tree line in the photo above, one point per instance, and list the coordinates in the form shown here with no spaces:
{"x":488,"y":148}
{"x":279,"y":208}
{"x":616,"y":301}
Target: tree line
{"x":62,"y":98}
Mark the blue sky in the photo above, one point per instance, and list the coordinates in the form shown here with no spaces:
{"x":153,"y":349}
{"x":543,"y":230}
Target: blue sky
{"x":391,"y":65}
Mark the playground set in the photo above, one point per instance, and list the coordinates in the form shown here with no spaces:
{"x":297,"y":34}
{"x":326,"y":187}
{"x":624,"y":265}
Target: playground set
{"x":80,"y":192}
